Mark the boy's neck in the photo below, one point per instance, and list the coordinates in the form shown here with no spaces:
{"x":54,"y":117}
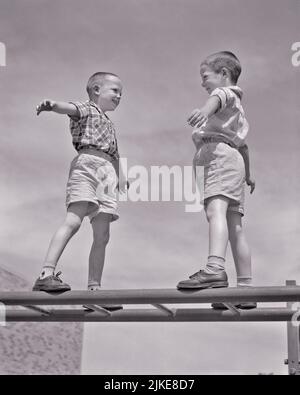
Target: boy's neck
{"x":229,"y":83}
{"x":95,"y":101}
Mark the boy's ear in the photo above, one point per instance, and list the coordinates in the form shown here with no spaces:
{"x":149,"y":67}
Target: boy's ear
{"x":225,"y":72}
{"x":96,"y":89}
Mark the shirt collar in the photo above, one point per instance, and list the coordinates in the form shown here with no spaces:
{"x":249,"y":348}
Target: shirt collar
{"x":98,"y":108}
{"x":237,"y":90}
{"x":95,"y":105}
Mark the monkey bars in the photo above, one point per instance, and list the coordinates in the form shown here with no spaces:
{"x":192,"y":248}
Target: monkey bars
{"x":161,"y":305}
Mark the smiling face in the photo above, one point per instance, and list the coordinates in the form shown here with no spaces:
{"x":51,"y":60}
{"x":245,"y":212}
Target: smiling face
{"x":107,"y":94}
{"x":212,"y":80}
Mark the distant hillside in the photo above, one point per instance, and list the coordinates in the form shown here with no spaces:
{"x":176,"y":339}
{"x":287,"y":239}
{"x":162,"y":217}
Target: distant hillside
{"x":38,"y":348}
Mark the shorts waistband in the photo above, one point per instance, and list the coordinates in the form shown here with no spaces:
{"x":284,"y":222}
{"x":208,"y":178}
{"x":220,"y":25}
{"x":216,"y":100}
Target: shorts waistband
{"x":96,"y":152}
{"x":216,"y":139}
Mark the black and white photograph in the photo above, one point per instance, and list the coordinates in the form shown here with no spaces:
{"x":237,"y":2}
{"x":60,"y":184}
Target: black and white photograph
{"x":150,"y":190}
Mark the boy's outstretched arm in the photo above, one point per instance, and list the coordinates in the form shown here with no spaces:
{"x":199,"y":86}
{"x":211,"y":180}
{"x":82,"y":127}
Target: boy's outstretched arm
{"x":199,"y":116}
{"x":58,"y":107}
{"x":244,"y":151}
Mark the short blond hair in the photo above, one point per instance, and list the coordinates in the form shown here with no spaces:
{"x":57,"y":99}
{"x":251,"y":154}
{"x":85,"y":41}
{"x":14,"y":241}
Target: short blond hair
{"x":227,"y":60}
{"x":98,"y":77}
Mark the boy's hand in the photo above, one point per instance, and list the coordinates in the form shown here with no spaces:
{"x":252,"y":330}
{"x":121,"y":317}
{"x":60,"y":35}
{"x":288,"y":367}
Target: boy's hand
{"x":123,"y":186}
{"x":251,"y":184}
{"x":197,"y":118}
{"x":45,"y":105}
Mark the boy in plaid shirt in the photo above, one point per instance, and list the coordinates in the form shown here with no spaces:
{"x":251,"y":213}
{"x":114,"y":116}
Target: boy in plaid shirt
{"x":93,"y":178}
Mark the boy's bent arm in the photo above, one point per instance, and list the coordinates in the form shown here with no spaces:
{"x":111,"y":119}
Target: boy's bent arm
{"x":116,"y":165}
{"x":244,"y":151}
{"x":58,"y":107}
{"x":122,"y":178}
{"x":198,"y":117}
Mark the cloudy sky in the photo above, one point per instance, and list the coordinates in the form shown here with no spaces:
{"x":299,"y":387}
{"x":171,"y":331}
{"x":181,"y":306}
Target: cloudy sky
{"x":155,"y":46}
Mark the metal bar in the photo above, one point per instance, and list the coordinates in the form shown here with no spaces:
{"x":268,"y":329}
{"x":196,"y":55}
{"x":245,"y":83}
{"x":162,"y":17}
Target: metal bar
{"x":164,"y":309}
{"x":99,"y":309}
{"x":151,"y":315}
{"x":39,"y":309}
{"x":293,"y":340}
{"x":154,"y":296}
{"x":232,"y":308}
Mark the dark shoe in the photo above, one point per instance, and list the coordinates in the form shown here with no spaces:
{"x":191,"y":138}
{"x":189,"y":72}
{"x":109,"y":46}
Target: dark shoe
{"x":203,"y":280}
{"x":51,"y":284}
{"x":242,"y":306}
{"x":108,"y":307}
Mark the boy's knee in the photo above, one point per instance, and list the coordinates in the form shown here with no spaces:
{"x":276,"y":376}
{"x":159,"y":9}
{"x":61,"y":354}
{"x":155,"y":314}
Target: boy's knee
{"x":210,"y":212}
{"x":73,"y":224}
{"x":101,"y":238}
{"x":235,"y":232}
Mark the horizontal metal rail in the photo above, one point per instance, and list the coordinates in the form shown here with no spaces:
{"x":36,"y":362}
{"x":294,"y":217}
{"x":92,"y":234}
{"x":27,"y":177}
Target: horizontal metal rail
{"x":27,"y":308}
{"x":152,"y":315}
{"x":154,"y":296}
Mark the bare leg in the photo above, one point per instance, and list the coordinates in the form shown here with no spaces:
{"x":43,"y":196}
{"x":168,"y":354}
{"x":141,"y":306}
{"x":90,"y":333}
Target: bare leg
{"x":241,"y":255}
{"x":75,"y":214}
{"x":239,"y":246}
{"x":214,"y":275}
{"x":101,"y":228}
{"x":216,"y":209}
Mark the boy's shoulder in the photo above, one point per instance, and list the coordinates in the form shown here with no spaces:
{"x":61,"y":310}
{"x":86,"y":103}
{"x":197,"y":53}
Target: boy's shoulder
{"x":236,"y":90}
{"x":87,"y":109}
{"x":229,"y":91}
{"x":229,"y":96}
{"x":82,"y":104}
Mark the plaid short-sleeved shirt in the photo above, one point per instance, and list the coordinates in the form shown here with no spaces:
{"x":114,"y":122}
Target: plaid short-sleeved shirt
{"x":93,"y":129}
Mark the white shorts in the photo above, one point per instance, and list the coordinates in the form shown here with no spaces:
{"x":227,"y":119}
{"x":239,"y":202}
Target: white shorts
{"x":93,"y":179}
{"x":224,"y":173}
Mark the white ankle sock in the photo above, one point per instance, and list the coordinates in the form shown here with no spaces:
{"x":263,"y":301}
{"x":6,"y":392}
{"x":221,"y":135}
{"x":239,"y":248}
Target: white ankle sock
{"x":47,"y":271}
{"x":215,"y":264}
{"x":93,"y":287}
{"x":245,"y":281}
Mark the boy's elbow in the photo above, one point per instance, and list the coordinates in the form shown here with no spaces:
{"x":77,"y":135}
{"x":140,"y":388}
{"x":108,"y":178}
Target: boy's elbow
{"x":73,"y":111}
